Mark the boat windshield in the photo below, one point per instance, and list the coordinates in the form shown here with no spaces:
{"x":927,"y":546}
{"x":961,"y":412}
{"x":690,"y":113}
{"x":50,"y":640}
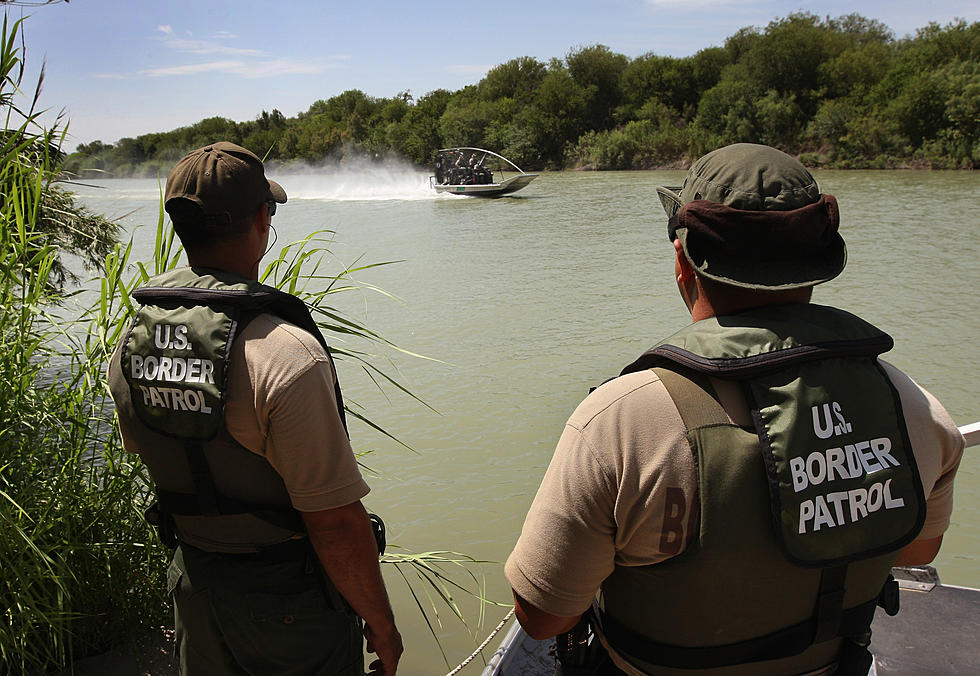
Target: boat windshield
{"x":466,"y":166}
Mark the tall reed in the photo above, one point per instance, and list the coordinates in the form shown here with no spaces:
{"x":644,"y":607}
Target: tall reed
{"x":75,"y":555}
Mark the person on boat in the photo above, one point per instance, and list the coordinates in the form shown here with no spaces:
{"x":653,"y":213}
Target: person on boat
{"x":738,"y":495}
{"x":481,"y":174}
{"x":227,"y":391}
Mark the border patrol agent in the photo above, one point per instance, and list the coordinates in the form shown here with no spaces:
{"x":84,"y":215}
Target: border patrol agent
{"x":226,"y":389}
{"x":738,"y":495}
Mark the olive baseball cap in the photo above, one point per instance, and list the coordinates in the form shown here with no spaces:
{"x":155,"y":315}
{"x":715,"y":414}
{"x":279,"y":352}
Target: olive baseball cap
{"x":752,"y":216}
{"x":223,"y":179}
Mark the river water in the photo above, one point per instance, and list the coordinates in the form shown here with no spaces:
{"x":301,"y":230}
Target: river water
{"x":520,"y":304}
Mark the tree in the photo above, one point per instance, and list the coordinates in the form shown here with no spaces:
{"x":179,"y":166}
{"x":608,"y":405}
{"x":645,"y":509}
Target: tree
{"x":740,"y":42}
{"x":919,"y":110}
{"x":465,"y":118}
{"x":706,"y":69}
{"x":963,"y":112}
{"x":659,"y":79}
{"x":516,"y":79}
{"x":728,"y":111}
{"x":855,"y":71}
{"x":778,"y":119}
{"x":787,"y":58}
{"x":597,"y":72}
{"x":417,"y":134}
{"x":860,"y":31}
{"x":803,"y":82}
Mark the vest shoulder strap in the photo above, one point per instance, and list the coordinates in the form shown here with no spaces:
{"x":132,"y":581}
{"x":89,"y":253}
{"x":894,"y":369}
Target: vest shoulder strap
{"x":694,"y":397}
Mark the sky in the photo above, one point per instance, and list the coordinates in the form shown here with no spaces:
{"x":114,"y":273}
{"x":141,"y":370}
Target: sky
{"x":121,"y":68}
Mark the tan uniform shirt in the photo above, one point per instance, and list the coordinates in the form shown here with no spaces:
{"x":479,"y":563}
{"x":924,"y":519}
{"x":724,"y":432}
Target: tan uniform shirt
{"x":602,"y":501}
{"x":281,"y":406}
{"x":285,"y":409}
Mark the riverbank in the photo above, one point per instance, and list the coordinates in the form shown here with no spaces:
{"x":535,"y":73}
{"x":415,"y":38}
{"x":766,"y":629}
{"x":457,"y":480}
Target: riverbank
{"x":809,"y":159}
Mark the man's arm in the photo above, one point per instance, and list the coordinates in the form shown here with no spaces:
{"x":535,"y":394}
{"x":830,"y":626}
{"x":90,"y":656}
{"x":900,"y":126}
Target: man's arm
{"x":537,"y":623}
{"x":919,"y":552}
{"x":344,"y":542}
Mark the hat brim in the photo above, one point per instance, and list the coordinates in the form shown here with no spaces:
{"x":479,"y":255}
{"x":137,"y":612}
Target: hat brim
{"x":781,"y":274}
{"x":670,"y":198}
{"x":278,"y":194}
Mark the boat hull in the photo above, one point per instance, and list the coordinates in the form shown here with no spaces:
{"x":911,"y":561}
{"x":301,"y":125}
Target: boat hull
{"x":510,"y":185}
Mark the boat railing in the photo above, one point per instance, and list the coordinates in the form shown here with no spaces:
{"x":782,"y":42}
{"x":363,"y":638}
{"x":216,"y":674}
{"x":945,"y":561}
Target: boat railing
{"x":971,"y":433}
{"x":488,"y":152}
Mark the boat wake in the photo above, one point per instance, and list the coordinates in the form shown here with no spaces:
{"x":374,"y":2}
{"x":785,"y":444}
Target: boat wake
{"x":359,"y":182}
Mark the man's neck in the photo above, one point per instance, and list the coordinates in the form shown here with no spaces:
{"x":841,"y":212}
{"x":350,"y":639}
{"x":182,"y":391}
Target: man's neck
{"x":228,"y":259}
{"x":727,"y":303}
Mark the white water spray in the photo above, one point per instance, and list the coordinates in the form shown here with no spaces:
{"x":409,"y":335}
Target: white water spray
{"x":359,"y":180}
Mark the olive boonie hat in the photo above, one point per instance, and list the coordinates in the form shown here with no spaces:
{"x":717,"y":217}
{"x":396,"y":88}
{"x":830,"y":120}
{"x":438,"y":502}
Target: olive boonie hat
{"x":223,"y":179}
{"x":752,"y":216}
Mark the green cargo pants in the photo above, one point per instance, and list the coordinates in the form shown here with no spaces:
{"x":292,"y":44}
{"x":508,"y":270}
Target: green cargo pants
{"x":234,"y":615}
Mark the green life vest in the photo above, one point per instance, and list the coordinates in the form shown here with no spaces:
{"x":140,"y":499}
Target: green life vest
{"x":174,"y":360}
{"x":828,"y":464}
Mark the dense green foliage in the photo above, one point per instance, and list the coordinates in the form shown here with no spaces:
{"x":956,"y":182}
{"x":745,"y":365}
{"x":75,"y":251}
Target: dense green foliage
{"x":840,"y":92}
{"x":79,"y":565}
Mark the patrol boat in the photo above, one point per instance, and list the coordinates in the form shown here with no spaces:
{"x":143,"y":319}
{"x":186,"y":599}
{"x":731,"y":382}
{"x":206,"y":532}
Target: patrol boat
{"x":472,"y":172}
{"x":935,"y":632}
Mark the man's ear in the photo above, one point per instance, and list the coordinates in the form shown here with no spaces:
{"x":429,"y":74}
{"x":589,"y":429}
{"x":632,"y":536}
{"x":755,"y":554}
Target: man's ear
{"x":261,"y":219}
{"x":682,"y":266}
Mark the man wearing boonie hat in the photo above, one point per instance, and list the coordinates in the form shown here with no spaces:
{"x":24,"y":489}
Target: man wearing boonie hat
{"x":739,"y":494}
{"x":226,"y":389}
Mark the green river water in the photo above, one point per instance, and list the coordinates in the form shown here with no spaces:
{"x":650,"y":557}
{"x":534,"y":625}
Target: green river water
{"x":522,"y":303}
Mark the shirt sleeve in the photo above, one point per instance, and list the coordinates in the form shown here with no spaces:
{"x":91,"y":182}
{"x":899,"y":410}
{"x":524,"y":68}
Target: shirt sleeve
{"x":618,"y":491}
{"x":282,"y":405}
{"x":308,"y":446}
{"x":937,"y":446}
{"x":566,"y":547}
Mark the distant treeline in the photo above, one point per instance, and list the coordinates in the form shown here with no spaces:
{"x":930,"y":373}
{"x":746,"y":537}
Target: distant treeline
{"x":839,"y":92}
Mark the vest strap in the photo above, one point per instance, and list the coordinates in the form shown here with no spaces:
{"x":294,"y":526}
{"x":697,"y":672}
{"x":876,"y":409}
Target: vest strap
{"x":830,"y":602}
{"x":188,"y":504}
{"x":694,"y":397}
{"x":783,"y":643}
{"x":207,"y":495}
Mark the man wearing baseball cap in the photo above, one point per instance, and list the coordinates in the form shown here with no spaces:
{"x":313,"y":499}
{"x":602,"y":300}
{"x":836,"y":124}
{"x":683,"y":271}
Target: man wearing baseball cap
{"x":738,"y":495}
{"x":226,"y":389}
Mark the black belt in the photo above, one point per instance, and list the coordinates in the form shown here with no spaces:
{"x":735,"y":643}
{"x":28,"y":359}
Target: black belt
{"x":296,"y":549}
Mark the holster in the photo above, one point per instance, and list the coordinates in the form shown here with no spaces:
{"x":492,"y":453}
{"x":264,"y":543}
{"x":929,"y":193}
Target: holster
{"x":163,"y":524}
{"x":378,"y":527}
{"x":579,"y":651}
